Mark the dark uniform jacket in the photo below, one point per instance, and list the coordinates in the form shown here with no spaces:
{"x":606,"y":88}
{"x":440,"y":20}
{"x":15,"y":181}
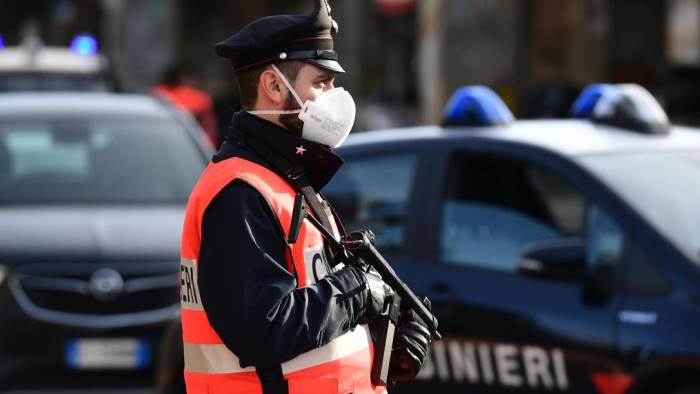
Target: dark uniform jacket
{"x":242,"y":249}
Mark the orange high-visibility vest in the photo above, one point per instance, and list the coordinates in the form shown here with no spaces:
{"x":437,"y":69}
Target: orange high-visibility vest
{"x":341,"y":366}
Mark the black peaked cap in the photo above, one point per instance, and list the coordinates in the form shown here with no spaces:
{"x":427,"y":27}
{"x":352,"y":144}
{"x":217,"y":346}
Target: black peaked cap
{"x":278,"y":38}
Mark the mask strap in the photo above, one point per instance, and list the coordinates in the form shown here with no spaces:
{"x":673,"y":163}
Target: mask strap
{"x":274,"y":112}
{"x":291,"y":89}
{"x":289,"y":86}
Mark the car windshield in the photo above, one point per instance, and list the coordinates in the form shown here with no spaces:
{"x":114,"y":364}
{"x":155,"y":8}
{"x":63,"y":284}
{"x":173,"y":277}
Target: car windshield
{"x":663,"y":187}
{"x":96,"y":160}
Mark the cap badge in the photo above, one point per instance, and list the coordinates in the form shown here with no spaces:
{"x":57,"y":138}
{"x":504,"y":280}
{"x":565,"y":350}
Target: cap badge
{"x":283,"y":55}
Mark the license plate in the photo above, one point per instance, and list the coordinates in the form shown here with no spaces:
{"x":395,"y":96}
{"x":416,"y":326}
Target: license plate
{"x":108,"y":353}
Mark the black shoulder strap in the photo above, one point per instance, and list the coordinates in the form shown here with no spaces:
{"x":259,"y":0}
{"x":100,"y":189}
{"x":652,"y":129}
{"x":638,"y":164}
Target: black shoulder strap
{"x":272,"y":380}
{"x":336,"y":218}
{"x":321,"y":211}
{"x":296,"y":176}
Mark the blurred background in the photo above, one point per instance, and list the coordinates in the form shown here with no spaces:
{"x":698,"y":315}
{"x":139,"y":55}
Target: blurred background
{"x":405,"y":57}
{"x":93,"y":186}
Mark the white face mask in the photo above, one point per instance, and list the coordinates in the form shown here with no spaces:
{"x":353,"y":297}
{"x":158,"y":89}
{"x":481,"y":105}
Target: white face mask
{"x":327,"y":120}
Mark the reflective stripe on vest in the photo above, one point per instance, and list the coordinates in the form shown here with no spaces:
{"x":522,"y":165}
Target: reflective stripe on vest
{"x":218,"y":359}
{"x":210,"y":367}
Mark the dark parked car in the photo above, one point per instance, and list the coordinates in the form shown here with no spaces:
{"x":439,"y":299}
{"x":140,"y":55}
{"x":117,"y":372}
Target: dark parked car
{"x":559,"y":255}
{"x":92,"y":194}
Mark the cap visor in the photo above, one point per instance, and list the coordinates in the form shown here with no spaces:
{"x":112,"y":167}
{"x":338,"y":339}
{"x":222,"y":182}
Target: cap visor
{"x":327,"y":64}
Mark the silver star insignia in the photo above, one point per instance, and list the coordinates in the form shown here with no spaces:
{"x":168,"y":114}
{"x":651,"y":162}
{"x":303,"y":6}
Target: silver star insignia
{"x":301,"y":150}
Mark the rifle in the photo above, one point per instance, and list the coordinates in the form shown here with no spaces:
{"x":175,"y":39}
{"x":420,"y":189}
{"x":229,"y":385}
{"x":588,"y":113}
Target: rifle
{"x":358,"y":247}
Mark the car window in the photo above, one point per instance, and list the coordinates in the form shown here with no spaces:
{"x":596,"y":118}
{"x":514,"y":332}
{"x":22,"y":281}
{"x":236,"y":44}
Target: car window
{"x":608,"y":245}
{"x":96,"y":161}
{"x":605,"y":239}
{"x":372,"y":192}
{"x":494,"y":206}
{"x":662,"y":187}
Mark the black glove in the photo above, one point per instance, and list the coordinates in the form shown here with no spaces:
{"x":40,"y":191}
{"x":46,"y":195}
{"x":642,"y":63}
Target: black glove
{"x":411,"y":344}
{"x":378,"y":292}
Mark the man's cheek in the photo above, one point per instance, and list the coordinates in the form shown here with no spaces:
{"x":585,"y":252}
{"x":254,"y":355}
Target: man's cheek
{"x":314,"y":93}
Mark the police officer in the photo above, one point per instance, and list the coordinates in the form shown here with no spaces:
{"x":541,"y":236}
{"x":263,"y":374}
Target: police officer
{"x":267,"y":308}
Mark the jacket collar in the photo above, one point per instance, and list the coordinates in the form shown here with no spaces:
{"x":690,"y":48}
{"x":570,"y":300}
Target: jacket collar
{"x":318,"y":161}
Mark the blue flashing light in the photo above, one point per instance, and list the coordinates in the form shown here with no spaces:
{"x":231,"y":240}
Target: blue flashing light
{"x":626,"y":106}
{"x":589,"y":97}
{"x":2,"y":42}
{"x":476,"y":106}
{"x":84,"y":44}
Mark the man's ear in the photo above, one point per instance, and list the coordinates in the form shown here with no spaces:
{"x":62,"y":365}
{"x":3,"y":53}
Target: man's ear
{"x":272,"y":87}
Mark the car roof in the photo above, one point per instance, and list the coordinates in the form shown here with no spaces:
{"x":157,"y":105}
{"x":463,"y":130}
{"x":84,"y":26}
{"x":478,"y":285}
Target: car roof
{"x":566,"y":137}
{"x":80,"y":104}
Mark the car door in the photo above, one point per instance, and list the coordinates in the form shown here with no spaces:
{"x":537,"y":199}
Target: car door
{"x":504,"y":330}
{"x":376,"y":190}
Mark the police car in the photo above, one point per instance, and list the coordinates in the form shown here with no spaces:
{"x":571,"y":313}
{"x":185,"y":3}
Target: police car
{"x":559,"y":255}
{"x":32,"y":66}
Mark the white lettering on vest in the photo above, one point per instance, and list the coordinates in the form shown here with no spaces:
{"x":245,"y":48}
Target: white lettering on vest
{"x":315,"y":263}
{"x":189,"y":290}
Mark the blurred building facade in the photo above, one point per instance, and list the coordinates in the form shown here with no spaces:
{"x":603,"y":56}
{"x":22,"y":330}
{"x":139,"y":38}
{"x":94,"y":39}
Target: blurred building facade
{"x":405,"y":57}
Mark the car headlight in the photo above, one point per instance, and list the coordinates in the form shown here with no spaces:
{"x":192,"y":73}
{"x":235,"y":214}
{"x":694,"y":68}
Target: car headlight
{"x":4,"y":271}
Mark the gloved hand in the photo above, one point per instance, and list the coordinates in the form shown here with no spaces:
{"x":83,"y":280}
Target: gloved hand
{"x":378,"y":292}
{"x":411,"y":344}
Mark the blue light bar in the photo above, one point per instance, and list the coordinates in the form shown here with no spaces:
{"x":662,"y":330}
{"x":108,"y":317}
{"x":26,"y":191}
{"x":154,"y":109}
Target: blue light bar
{"x":589,"y":97}
{"x":476,"y":106}
{"x":626,"y":106}
{"x":84,"y":44}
